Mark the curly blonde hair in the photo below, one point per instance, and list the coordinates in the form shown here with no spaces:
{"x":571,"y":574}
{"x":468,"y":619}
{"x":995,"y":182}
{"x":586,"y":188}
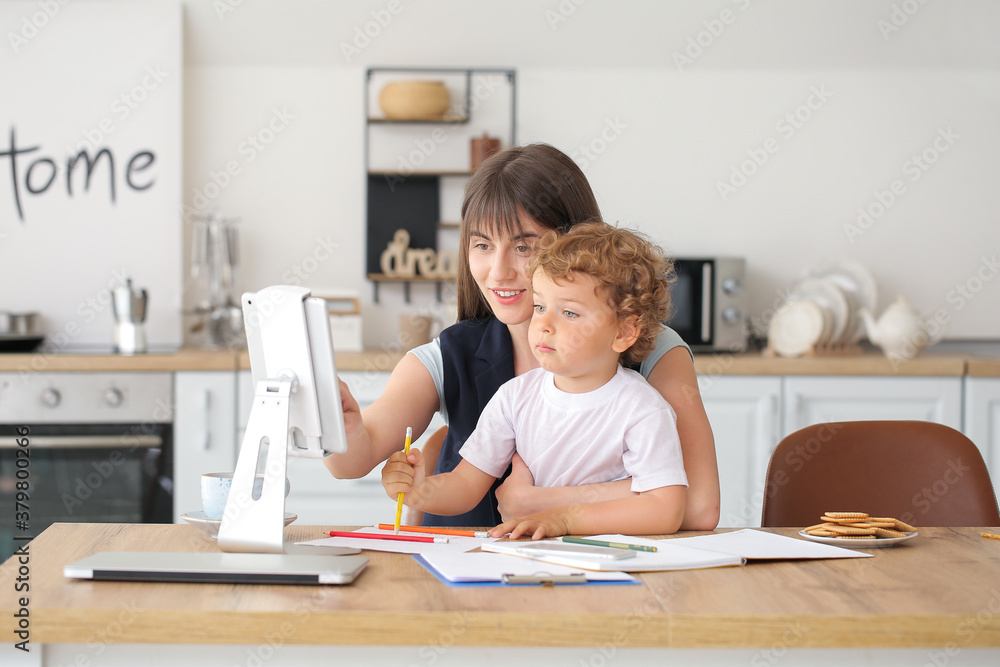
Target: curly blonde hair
{"x":632,"y":273}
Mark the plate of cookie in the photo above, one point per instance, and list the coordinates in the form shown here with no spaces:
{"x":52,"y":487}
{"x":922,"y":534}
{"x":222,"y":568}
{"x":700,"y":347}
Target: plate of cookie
{"x":858,"y":530}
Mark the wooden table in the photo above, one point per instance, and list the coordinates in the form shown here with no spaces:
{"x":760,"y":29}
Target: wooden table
{"x":940,"y":589}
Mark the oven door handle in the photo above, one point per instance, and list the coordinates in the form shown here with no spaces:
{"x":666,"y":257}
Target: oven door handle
{"x":82,"y":441}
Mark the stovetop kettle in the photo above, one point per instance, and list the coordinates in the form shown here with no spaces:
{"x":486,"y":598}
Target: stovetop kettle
{"x":129,"y":306}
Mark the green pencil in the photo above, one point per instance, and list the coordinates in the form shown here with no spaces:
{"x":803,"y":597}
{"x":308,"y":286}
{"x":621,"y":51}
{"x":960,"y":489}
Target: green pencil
{"x":602,"y":543}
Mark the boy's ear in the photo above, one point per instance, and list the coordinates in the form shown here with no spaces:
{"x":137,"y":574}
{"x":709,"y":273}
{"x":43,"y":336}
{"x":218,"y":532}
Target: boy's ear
{"x":628,"y":333}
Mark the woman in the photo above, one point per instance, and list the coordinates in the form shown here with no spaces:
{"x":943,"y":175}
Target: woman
{"x":510,"y":202}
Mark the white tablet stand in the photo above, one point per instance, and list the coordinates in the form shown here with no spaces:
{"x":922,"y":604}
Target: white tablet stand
{"x":296,"y":410}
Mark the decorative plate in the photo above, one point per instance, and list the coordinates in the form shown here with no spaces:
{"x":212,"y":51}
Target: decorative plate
{"x":858,"y":286}
{"x":877,"y":543}
{"x":797,"y":327}
{"x":827,"y":294}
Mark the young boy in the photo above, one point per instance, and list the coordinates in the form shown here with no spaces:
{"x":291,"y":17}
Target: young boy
{"x":600,"y":294}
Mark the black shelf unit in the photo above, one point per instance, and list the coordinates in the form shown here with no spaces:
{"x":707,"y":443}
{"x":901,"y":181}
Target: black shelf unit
{"x":412,"y":200}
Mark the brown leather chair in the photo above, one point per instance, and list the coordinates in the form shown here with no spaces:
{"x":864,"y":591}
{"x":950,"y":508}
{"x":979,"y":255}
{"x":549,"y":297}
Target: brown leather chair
{"x":924,"y":473}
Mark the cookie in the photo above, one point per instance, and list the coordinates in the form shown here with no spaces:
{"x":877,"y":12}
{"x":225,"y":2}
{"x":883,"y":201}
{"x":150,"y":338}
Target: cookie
{"x":851,"y":530}
{"x":816,"y":526}
{"x":848,"y":515}
{"x":888,"y":532}
{"x":819,"y":532}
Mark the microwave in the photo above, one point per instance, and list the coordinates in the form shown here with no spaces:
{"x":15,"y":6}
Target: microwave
{"x":709,"y":303}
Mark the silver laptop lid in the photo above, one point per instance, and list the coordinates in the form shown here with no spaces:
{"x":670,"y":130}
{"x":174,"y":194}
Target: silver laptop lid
{"x":238,"y":568}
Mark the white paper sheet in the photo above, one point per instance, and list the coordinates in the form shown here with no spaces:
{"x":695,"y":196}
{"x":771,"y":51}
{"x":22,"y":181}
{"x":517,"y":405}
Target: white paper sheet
{"x":667,"y":557}
{"x":750,"y":544}
{"x":455,"y":543}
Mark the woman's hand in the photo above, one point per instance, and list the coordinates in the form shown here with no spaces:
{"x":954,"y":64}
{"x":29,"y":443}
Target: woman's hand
{"x":409,"y":400}
{"x":353,"y":424}
{"x":513,"y":496}
{"x":403,"y":472}
{"x":550,"y":523}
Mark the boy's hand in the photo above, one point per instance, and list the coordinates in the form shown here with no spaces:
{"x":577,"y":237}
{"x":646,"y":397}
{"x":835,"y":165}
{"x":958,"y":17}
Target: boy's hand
{"x":402,"y":472}
{"x":550,"y":523}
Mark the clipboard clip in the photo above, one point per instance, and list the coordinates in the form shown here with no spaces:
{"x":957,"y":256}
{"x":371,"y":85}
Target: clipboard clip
{"x":544,"y":578}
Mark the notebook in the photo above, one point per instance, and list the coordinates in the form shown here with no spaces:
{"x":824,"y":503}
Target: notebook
{"x":686,"y":553}
{"x":217,"y":568}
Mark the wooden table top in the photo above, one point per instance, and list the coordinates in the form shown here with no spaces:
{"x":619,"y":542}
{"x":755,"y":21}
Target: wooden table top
{"x":941,"y":587}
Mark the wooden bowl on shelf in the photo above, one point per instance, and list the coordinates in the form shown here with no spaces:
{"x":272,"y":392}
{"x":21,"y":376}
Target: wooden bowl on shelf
{"x":414,"y":100}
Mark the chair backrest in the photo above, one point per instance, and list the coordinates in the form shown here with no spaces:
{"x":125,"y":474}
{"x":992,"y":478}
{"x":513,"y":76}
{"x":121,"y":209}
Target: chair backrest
{"x":924,"y":473}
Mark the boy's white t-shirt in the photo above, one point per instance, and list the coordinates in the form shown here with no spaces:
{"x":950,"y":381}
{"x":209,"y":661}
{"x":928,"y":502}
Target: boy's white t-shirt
{"x":622,"y":429}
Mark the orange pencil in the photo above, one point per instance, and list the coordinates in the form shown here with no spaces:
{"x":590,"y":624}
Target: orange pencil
{"x":435,"y":531}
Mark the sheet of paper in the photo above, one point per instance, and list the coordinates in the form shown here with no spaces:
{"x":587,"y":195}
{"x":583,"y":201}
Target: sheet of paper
{"x":478,"y":567}
{"x":455,"y":543}
{"x":667,"y":557}
{"x":750,"y":544}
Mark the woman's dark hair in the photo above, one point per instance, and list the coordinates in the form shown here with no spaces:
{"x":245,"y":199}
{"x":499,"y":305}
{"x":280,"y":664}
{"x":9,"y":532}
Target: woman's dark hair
{"x":537,"y":181}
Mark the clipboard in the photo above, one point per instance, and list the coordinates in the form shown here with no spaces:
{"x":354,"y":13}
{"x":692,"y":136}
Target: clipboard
{"x":543,"y":579}
{"x":488,"y":570}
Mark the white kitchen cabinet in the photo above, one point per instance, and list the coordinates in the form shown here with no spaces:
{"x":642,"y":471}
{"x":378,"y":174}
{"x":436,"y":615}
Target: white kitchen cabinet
{"x":745,"y":415}
{"x":204,"y":432}
{"x":814,"y":399}
{"x":751,"y":414}
{"x":982,"y":420}
{"x":316,"y":496}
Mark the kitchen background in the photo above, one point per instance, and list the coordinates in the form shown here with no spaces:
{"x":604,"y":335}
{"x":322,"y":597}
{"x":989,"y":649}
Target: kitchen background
{"x":789,"y":132}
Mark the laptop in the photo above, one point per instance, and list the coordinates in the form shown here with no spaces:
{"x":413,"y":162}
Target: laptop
{"x":217,"y":568}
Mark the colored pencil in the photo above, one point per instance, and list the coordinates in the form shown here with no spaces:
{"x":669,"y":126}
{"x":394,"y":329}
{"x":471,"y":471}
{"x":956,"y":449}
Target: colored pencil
{"x":437,"y":531}
{"x":399,"y":538}
{"x":602,"y":543}
{"x":399,"y":498}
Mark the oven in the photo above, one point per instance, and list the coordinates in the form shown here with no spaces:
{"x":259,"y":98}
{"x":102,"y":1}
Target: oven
{"x":92,"y":447}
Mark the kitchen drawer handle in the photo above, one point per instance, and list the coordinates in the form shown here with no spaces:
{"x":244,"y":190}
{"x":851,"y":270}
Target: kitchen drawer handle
{"x":83,"y":441}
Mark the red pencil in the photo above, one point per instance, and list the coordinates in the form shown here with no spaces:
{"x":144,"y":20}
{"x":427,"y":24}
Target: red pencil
{"x":380,"y":536}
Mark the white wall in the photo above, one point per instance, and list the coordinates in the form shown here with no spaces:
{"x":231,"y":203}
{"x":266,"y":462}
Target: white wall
{"x":892,"y":74}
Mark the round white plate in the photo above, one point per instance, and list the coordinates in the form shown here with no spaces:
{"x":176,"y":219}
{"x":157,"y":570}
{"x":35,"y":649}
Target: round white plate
{"x":827,"y":294}
{"x":211,"y":526}
{"x":797,"y":327}
{"x":877,"y":543}
{"x":859,"y":287}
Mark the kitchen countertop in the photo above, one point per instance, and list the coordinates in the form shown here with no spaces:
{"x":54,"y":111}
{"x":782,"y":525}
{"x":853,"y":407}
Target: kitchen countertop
{"x":751,"y":363}
{"x":867,"y":363}
{"x":986,"y":368}
{"x":185,"y":359}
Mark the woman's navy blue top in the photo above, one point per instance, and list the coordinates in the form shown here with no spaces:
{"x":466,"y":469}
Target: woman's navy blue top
{"x":478,"y":357}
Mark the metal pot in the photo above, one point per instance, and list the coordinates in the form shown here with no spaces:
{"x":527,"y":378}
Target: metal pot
{"x":18,"y":324}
